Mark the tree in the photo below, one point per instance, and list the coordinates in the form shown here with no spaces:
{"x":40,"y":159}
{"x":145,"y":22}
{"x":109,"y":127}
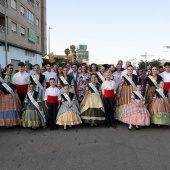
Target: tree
{"x":61,"y":61}
{"x":153,"y":63}
{"x":45,"y":61}
{"x":72,"y":48}
{"x":67,"y":52}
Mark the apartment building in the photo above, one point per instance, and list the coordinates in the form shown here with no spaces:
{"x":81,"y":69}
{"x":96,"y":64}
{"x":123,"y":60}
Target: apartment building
{"x":26,"y":31}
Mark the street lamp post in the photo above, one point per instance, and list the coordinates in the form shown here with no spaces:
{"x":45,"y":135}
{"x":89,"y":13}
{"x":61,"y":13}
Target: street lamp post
{"x":6,"y":54}
{"x":49,"y":39}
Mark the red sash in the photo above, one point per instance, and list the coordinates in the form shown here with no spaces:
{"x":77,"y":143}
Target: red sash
{"x":47,"y":84}
{"x":109,"y":93}
{"x":52,"y":99}
{"x":22,"y":88}
{"x":166,"y":86}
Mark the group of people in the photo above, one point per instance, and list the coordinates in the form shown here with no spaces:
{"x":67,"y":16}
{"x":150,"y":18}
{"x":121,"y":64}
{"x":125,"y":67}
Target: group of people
{"x":73,"y":94}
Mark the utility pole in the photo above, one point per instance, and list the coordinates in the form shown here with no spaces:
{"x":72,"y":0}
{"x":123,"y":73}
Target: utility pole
{"x":6,"y":47}
{"x":49,"y":39}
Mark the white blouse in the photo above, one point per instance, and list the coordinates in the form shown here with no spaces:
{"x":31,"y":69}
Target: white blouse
{"x":21,"y":78}
{"x":52,"y":91}
{"x":108,"y":85}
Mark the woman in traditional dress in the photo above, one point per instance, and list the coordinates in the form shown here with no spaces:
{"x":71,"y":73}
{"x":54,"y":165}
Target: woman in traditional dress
{"x":68,"y":114}
{"x":66,"y":80}
{"x":82,"y":82}
{"x":136,"y":112}
{"x":32,"y":113}
{"x":38,"y":80}
{"x":127,"y":85}
{"x":10,"y":105}
{"x":1,"y":76}
{"x":91,"y":108}
{"x":151,"y":85}
{"x":159,"y":108}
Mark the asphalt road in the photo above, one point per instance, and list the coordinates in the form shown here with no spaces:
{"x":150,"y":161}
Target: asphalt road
{"x":83,"y":147}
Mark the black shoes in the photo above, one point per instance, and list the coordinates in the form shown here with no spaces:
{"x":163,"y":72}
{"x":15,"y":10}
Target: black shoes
{"x":113,"y":125}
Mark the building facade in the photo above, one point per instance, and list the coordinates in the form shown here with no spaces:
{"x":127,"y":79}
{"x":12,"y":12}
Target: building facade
{"x":26,"y":31}
{"x":83,"y":54}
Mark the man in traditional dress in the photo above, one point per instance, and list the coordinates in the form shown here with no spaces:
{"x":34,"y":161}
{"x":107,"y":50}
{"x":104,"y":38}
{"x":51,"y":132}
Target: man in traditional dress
{"x":109,"y":90}
{"x":21,"y":80}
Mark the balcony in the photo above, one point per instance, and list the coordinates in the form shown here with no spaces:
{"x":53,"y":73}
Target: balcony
{"x":31,"y":3}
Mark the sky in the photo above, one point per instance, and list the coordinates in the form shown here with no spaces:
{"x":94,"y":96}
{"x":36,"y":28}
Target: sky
{"x":111,"y":29}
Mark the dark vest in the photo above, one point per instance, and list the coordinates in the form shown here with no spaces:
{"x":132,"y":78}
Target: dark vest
{"x":13,"y":87}
{"x":41,"y":79}
{"x":134,"y":78}
{"x":68,"y":79}
{"x":97,"y":85}
{"x":149,"y":81}
{"x":34,"y":96}
{"x":99,"y":80}
{"x":136,"y":97}
{"x":71,"y":95}
{"x":159,"y":96}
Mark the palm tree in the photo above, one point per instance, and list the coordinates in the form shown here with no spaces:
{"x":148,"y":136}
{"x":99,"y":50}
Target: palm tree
{"x":67,"y":52}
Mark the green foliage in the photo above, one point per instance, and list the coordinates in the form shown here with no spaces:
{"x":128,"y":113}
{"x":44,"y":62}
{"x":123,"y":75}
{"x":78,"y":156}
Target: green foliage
{"x":61,"y":61}
{"x":45,"y":61}
{"x":153,"y":63}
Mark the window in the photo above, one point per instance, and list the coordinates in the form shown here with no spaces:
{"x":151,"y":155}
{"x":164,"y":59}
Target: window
{"x":37,"y":22}
{"x":37,"y":4}
{"x":30,"y":17}
{"x":31,"y":3}
{"x":14,"y":4}
{"x":31,"y":36}
{"x":14,"y":27}
{"x":22,"y":10}
{"x":22,"y":31}
{"x":38,"y":39}
{"x":29,"y":53}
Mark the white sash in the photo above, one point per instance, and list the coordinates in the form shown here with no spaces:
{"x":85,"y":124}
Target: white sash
{"x":64,"y":80}
{"x":130,"y":81}
{"x":161,"y":93}
{"x":154,"y":81}
{"x":1,"y":80}
{"x":39,"y":85}
{"x":101,"y":77}
{"x":66,"y":83}
{"x":36,"y":105}
{"x":138,"y":94}
{"x":9,"y":89}
{"x":94,"y":88}
{"x":37,"y":82}
{"x":67,"y":97}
